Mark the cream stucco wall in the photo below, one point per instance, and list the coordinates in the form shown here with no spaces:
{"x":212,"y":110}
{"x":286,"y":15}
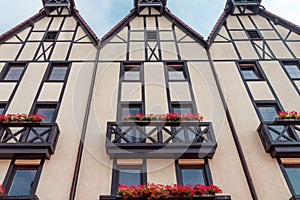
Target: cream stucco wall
{"x":95,"y":174}
{"x":29,"y":83}
{"x":70,"y":120}
{"x":264,"y":170}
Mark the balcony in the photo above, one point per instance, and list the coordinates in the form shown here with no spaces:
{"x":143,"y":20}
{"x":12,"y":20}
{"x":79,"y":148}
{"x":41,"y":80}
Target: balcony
{"x":129,"y":139}
{"x":28,"y":140}
{"x":29,"y":197}
{"x":281,"y":138}
{"x":210,"y":197}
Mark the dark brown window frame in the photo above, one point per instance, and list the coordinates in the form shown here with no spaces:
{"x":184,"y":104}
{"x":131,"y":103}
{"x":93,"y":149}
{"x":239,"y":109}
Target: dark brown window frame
{"x":6,"y":69}
{"x":284,"y":64}
{"x":205,"y":168}
{"x":151,"y":33}
{"x":131,"y":66}
{"x":176,"y":67}
{"x":253,"y":67}
{"x":7,"y":183}
{"x":116,"y":171}
{"x":45,"y":105}
{"x":48,"y":34}
{"x":287,"y":179}
{"x":250,"y":36}
{"x":50,"y":70}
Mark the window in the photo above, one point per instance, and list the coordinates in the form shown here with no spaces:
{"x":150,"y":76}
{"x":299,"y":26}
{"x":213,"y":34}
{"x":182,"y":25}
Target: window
{"x":268,"y":111}
{"x":293,"y":178}
{"x":151,"y":35}
{"x":254,"y":35}
{"x":132,"y":133}
{"x":13,"y":72}
{"x":250,"y":72}
{"x":22,"y":180}
{"x":293,"y":70}
{"x":176,"y":72}
{"x":184,"y":135}
{"x":51,"y":36}
{"x":132,"y":72}
{"x":129,"y":175}
{"x":130,"y":109}
{"x":48,"y":110}
{"x":57,"y":72}
{"x":2,"y":107}
{"x":182,"y":108}
{"x":193,"y":172}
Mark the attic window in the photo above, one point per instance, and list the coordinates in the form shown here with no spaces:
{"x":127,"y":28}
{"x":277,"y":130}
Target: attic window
{"x":254,"y":35}
{"x":51,"y":36}
{"x":151,"y":35}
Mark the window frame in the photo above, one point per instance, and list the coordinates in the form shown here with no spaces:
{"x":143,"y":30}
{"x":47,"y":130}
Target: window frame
{"x":4,"y":105}
{"x":253,"y":67}
{"x":7,"y":183}
{"x":284,"y":64}
{"x":274,"y":104}
{"x":116,"y":171}
{"x":126,"y":66}
{"x":254,"y":38}
{"x":45,"y":105}
{"x":174,"y":67}
{"x":51,"y":39}
{"x":129,"y":105}
{"x":288,"y":181}
{"x":154,"y":32}
{"x":205,"y":169}
{"x":176,"y":104}
{"x":50,"y":70}
{"x":6,"y":69}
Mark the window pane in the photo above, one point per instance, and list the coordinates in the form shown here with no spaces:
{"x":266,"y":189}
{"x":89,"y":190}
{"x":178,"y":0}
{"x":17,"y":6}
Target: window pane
{"x":47,"y":112}
{"x":58,"y":73}
{"x":14,"y":73}
{"x":249,"y":74}
{"x":268,"y":113}
{"x":132,"y":72}
{"x":294,"y":177}
{"x":182,"y":110}
{"x":293,"y":71}
{"x":176,"y":75}
{"x":130,"y":176}
{"x":192,"y":176}
{"x":132,"y":75}
{"x":130,"y":111}
{"x":253,"y":34}
{"x":22,"y":182}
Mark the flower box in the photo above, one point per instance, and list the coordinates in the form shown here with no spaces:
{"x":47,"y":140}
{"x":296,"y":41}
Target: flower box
{"x":287,"y":121}
{"x":196,"y":197}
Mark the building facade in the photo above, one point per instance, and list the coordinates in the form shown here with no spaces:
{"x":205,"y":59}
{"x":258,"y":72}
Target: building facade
{"x":151,"y":63}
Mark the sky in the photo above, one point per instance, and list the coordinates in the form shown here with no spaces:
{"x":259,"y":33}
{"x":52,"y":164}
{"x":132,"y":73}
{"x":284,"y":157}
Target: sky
{"x":102,"y":15}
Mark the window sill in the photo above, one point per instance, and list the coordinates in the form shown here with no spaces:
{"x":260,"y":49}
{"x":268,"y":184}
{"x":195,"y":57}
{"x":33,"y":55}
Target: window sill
{"x":208,"y":197}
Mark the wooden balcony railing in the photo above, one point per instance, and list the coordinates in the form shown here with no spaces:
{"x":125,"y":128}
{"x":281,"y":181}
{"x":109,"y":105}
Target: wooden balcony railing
{"x":28,"y":140}
{"x":280,"y":138}
{"x":129,"y":139}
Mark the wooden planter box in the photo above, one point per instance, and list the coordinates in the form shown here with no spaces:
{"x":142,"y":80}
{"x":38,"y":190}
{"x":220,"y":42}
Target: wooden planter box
{"x":196,"y":197}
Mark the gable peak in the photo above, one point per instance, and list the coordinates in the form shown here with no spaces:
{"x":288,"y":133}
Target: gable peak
{"x":157,"y":4}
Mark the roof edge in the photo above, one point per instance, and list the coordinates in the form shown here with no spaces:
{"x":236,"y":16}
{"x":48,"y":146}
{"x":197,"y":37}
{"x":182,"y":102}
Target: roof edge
{"x":279,"y":20}
{"x":92,"y":35}
{"x":28,"y":22}
{"x":121,"y":24}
